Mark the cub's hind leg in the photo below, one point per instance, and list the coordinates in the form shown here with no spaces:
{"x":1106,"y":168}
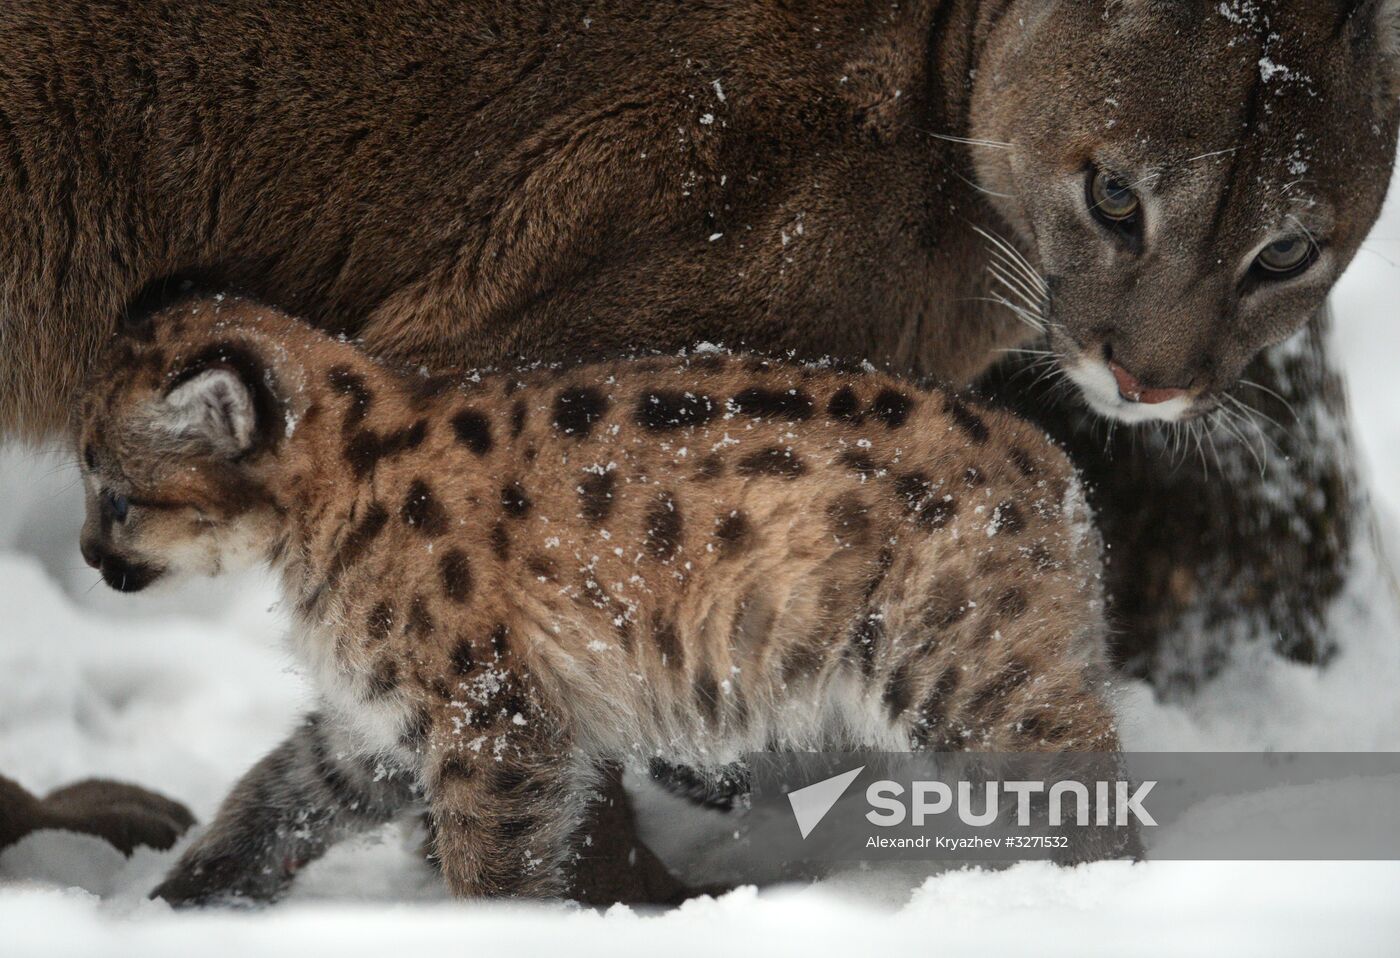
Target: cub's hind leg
{"x":311,"y":791}
{"x":507,"y":798}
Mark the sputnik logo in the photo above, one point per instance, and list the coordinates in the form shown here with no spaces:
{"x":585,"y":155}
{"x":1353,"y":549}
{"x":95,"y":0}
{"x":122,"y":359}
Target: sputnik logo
{"x":810,"y":804}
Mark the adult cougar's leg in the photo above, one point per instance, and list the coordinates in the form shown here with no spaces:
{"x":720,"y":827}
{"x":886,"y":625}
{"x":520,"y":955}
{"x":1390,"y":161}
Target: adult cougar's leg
{"x":1238,"y":529}
{"x":311,"y":791}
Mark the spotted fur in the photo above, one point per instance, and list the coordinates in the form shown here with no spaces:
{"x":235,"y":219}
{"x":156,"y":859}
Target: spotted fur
{"x":498,"y":587}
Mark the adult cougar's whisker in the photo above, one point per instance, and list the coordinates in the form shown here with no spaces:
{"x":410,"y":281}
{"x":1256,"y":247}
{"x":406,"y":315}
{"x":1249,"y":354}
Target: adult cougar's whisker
{"x":1025,"y":315}
{"x":1016,"y":256}
{"x":1269,"y":392}
{"x":970,"y":141}
{"x":1018,"y":288}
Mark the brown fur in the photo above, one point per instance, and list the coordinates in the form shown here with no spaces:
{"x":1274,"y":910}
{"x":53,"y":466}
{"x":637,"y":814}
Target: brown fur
{"x":465,"y":182}
{"x":123,"y":815}
{"x":707,"y":555}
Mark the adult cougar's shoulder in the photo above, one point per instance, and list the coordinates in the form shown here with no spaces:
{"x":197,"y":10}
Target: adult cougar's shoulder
{"x":463,"y":182}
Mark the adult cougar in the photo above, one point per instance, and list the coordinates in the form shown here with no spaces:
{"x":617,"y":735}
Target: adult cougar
{"x":1186,"y":178}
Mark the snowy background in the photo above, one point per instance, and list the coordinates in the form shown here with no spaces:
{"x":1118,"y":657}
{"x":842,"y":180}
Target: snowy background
{"x":182,"y":692}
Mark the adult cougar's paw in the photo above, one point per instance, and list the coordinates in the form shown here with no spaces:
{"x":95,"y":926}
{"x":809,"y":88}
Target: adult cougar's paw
{"x":124,"y":815}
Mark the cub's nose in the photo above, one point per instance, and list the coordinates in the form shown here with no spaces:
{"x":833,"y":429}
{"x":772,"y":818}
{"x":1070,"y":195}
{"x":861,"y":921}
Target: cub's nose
{"x":1132,"y":389}
{"x":92,"y":555}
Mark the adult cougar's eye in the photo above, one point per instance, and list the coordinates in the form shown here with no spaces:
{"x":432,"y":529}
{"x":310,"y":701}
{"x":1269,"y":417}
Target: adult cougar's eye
{"x":117,"y":506}
{"x":1111,"y":199}
{"x":1287,"y":257}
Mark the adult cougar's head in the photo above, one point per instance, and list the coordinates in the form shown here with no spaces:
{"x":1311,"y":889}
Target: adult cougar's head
{"x":1192,"y":176}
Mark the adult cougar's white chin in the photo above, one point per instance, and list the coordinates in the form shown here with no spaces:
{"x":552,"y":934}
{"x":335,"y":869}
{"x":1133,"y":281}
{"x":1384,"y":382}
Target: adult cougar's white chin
{"x":1100,"y":391}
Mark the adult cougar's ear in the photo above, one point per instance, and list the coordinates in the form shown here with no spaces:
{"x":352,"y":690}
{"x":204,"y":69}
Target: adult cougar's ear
{"x":215,"y":408}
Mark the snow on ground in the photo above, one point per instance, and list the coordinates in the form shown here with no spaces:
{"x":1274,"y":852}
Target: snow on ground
{"x":183,"y":692}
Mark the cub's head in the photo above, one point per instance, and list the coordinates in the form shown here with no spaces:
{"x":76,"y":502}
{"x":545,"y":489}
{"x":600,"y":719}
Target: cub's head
{"x":175,"y":438}
{"x":1192,"y":177}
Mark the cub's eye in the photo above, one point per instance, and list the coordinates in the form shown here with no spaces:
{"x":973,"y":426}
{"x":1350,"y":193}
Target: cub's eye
{"x":1287,"y":257}
{"x":117,"y":506}
{"x":1112,"y":200}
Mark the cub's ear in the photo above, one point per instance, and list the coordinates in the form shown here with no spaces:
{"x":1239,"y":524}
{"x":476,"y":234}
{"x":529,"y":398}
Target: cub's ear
{"x":215,"y":407}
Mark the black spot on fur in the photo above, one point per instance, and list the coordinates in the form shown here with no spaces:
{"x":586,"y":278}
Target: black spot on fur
{"x":425,"y":389}
{"x":500,"y":541}
{"x":422,"y":511}
{"x":456,"y":575}
{"x":500,"y":640}
{"x":923,"y":501}
{"x":667,"y":409}
{"x":346,"y":382}
{"x":357,"y":543}
{"x":420,"y":623}
{"x":517,"y":418}
{"x":709,"y":468}
{"x":989,"y":701}
{"x":899,"y":690}
{"x":849,"y":519}
{"x":844,"y":404}
{"x":866,"y":639}
{"x":463,"y":659}
{"x":945,"y":611}
{"x":1007,"y":518}
{"x":384,"y":680}
{"x":1042,"y":558}
{"x":542,"y":568}
{"x":380,"y":622}
{"x":892,"y":408}
{"x":734,"y":533}
{"x":1012,"y":604}
{"x":775,"y":461}
{"x":935,"y":711}
{"x":576,"y":410}
{"x":473,"y":430}
{"x":914,"y":488}
{"x":974,"y":478}
{"x":968,"y":421}
{"x":365,"y":448}
{"x":514,"y":501}
{"x":596,"y":496}
{"x":668,"y":643}
{"x":793,"y":405}
{"x":664,"y":528}
{"x":801,"y":659}
{"x":860,"y":463}
{"x":1023,"y":461}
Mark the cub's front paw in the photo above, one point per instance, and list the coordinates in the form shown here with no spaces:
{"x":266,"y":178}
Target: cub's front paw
{"x":230,"y":882}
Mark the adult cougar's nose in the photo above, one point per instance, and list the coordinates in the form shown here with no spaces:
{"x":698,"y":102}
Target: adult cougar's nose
{"x":1132,"y":389}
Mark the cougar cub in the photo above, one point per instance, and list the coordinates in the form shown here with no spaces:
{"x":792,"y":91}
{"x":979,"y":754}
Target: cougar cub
{"x":498,"y":581}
